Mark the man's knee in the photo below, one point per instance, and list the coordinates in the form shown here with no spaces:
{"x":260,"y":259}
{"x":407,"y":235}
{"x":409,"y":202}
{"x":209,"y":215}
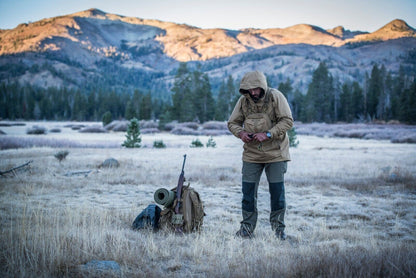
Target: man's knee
{"x":276,"y":171}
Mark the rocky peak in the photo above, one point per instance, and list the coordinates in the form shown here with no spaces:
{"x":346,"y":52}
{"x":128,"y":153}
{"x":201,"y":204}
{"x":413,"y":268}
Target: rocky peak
{"x":396,"y":25}
{"x":337,"y":31}
{"x":395,"y":29}
{"x":341,"y":33}
{"x":94,"y":13}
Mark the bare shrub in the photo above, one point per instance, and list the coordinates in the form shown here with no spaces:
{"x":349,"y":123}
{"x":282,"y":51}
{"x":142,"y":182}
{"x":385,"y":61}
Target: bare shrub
{"x":351,"y":134}
{"x":55,"y":130}
{"x":11,"y":124}
{"x":118,"y":126}
{"x":61,"y":155}
{"x":75,"y":126}
{"x":404,"y":138}
{"x":149,"y":130}
{"x":397,"y":133}
{"x":191,"y":125}
{"x":93,"y":129}
{"x":183,"y":130}
{"x":158,"y":144}
{"x":215,"y":125}
{"x":36,"y":130}
{"x":148,"y":124}
{"x":170,"y":126}
{"x":214,"y":132}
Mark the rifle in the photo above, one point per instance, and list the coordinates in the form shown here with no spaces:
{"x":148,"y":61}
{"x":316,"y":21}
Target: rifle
{"x":177,"y":218}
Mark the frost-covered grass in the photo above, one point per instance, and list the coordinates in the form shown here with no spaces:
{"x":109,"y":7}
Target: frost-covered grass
{"x":351,"y":210}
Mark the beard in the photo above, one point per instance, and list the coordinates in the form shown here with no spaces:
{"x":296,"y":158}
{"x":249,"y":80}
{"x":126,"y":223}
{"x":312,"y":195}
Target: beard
{"x":255,"y":98}
{"x":258,"y":97}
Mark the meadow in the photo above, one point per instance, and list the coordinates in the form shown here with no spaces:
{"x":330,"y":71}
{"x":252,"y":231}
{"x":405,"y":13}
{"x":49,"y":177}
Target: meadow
{"x":351,"y":208}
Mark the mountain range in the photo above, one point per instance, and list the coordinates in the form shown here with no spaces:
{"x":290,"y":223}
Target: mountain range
{"x":92,"y":47}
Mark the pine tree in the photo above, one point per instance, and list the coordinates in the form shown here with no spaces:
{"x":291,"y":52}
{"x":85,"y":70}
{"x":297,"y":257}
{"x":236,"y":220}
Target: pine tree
{"x":133,"y":138}
{"x":130,"y":113}
{"x":233,"y":94}
{"x":222,"y":105}
{"x":298,"y":106}
{"x":203,"y":100}
{"x":398,"y":87}
{"x":345,"y":113}
{"x":357,"y":101}
{"x":227,"y":98}
{"x":146,"y":107}
{"x":287,"y":90}
{"x":319,"y":98}
{"x":374,"y":91}
{"x":182,"y":103}
{"x":293,"y":141}
{"x":408,"y":104}
{"x":107,"y":118}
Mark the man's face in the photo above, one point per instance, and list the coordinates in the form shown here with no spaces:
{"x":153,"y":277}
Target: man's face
{"x":255,"y":93}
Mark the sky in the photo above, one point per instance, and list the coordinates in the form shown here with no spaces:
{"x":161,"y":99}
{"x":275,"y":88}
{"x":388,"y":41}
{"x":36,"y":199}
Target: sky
{"x":354,"y":15}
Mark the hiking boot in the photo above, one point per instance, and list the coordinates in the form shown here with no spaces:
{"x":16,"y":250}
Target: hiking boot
{"x":280,"y":235}
{"x":243,"y":233}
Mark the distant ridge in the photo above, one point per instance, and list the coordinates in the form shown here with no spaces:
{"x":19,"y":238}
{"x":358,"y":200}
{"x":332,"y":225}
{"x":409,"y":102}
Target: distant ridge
{"x":183,"y":42}
{"x":91,"y":47}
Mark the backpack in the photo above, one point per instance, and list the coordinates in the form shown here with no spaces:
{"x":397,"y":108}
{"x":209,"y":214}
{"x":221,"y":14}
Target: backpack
{"x":190,"y":207}
{"x":148,"y":218}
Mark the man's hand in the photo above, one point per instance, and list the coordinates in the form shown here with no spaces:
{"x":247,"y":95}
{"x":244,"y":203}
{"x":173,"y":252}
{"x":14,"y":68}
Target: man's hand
{"x":245,"y":136}
{"x":260,"y":137}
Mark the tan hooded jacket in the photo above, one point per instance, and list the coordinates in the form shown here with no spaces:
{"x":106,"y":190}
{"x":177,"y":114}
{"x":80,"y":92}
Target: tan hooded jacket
{"x":271,"y":113}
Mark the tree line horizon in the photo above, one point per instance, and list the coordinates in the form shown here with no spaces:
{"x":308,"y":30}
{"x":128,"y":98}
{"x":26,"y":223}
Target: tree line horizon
{"x":382,"y":97}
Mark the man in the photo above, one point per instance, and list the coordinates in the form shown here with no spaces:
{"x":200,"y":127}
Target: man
{"x":261,"y":119}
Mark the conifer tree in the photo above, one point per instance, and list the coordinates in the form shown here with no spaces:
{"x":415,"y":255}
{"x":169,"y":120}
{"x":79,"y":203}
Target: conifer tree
{"x":233,"y":94}
{"x":133,"y":137}
{"x":319,"y":98}
{"x":345,"y":113}
{"x":130,"y":113}
{"x":146,"y":107}
{"x":222,"y":106}
{"x":107,"y":118}
{"x":357,"y":101}
{"x":203,"y":100}
{"x":293,"y":141}
{"x":374,"y":91}
{"x":182,"y":103}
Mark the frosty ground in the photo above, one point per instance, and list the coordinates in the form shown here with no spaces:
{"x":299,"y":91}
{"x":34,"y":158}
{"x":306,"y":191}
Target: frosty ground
{"x":350,"y":209}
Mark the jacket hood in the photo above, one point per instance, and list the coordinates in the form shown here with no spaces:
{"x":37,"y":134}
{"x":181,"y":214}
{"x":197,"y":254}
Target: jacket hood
{"x":251,"y":80}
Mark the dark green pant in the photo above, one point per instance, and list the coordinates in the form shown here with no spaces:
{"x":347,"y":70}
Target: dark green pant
{"x":251,"y":177}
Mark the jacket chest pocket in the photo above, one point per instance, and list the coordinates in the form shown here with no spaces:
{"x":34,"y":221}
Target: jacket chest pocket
{"x":257,"y":122}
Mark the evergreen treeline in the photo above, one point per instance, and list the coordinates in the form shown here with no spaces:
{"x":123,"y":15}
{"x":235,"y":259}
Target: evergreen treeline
{"x":382,"y":97}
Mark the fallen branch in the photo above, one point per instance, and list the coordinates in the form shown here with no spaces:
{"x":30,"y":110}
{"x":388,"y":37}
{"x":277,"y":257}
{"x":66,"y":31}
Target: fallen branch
{"x":12,"y":170}
{"x":76,"y":173}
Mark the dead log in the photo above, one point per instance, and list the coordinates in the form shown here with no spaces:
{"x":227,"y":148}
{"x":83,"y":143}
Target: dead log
{"x":78,"y":173}
{"x":13,"y":170}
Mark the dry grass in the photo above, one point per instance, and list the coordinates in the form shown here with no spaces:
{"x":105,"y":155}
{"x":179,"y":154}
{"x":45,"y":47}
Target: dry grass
{"x":351,"y":211}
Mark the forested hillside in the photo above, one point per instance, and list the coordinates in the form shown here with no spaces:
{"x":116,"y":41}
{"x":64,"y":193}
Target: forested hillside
{"x":384,"y":97}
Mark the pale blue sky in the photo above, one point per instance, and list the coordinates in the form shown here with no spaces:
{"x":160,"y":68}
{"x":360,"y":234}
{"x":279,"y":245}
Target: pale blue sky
{"x":362,"y":15}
